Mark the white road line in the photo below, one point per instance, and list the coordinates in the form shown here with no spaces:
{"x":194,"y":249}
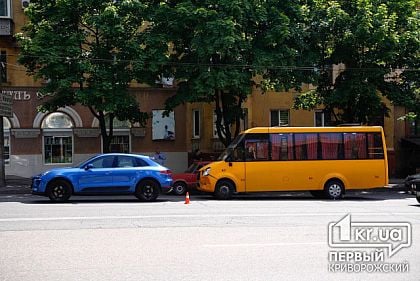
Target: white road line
{"x":262,"y":244}
{"x":335,"y":214}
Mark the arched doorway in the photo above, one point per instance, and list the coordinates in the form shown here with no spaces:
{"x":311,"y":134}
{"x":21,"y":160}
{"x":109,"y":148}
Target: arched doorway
{"x":57,"y":138}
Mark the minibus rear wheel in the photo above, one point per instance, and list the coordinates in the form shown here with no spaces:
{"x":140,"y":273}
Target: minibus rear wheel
{"x":224,"y":190}
{"x":334,"y":189}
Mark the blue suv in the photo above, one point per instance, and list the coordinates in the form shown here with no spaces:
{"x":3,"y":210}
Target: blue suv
{"x":106,"y":174}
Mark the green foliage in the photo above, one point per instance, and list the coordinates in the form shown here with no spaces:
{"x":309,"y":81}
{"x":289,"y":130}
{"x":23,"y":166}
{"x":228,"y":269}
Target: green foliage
{"x":88,"y":51}
{"x":308,"y":100}
{"x":217,"y":47}
{"x":378,"y":42}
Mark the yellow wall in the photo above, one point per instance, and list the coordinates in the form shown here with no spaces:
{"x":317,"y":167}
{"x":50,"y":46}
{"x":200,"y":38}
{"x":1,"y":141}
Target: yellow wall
{"x":16,"y":74}
{"x":259,"y":106}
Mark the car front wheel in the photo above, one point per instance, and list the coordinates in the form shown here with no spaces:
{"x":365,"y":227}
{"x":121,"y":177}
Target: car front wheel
{"x":147,"y":190}
{"x":180,"y":188}
{"x":59,"y":191}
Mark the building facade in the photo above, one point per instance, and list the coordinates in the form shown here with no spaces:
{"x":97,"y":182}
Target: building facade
{"x":276,"y":109}
{"x":36,"y":141}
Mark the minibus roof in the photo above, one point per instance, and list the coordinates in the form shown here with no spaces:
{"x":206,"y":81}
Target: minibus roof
{"x":342,"y":129}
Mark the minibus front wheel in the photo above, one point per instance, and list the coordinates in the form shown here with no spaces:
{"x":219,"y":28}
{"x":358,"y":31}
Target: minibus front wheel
{"x":334,"y":189}
{"x":224,"y":190}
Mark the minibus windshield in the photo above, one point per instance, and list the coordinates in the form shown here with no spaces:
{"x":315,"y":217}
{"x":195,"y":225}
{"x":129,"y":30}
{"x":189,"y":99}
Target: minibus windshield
{"x":228,"y":151}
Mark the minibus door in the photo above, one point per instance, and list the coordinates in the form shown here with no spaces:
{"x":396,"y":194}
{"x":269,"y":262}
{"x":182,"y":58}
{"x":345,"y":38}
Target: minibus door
{"x":236,"y":166}
{"x":258,"y":169}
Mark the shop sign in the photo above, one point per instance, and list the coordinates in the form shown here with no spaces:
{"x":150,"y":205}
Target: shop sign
{"x":6,"y":105}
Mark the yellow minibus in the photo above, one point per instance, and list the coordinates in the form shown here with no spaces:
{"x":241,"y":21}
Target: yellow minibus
{"x":323,"y":160}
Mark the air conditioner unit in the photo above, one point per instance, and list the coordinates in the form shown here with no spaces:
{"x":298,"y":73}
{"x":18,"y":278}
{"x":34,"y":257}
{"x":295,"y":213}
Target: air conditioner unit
{"x":25,"y":3}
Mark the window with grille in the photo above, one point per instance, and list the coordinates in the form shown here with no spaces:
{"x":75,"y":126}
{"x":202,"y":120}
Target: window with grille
{"x":5,"y":7}
{"x":58,"y":149}
{"x":120,"y":144}
{"x":279,"y":118}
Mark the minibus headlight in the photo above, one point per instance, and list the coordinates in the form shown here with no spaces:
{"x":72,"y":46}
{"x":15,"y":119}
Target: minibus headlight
{"x":206,"y":172}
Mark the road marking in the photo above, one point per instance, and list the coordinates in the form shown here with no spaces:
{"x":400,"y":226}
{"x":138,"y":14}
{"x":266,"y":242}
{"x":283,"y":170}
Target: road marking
{"x":194,"y":216}
{"x":263,"y":244}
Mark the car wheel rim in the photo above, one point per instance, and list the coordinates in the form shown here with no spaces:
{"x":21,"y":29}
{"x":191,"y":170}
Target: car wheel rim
{"x":224,"y":189}
{"x":148,"y":191}
{"x":335,"y":190}
{"x":58,"y":191}
{"x":179,"y":189}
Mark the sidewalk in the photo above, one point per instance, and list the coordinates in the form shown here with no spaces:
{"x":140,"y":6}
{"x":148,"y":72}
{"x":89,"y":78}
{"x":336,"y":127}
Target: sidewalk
{"x":16,"y":185}
{"x":19,"y":185}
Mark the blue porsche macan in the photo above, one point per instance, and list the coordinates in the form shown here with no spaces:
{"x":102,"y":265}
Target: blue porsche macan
{"x":106,"y":174}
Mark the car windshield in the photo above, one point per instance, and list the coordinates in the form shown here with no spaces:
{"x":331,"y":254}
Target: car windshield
{"x":230,"y":148}
{"x":192,"y":168}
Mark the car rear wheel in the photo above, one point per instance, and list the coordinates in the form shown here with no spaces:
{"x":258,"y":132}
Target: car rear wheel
{"x":59,"y":191}
{"x":180,"y":188}
{"x":224,"y":190}
{"x":147,"y":190}
{"x":334,"y":189}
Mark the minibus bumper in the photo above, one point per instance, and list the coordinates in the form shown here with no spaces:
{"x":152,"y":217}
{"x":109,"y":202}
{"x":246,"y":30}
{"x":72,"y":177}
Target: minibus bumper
{"x":205,"y":185}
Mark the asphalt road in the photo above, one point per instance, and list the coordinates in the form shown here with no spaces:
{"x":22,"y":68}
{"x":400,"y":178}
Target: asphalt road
{"x":282,"y":236}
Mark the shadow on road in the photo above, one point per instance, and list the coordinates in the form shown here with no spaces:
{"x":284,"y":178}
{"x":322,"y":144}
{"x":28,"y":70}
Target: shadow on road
{"x":88,"y":200}
{"x":371,"y":195}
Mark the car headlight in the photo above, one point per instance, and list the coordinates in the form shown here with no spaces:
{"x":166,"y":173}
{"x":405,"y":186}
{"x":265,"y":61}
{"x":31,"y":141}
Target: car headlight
{"x":206,"y":172}
{"x":44,"y":173}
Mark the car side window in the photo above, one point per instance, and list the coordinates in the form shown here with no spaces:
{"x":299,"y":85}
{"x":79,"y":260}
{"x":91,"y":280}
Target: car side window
{"x":103,"y":162}
{"x":126,"y":162}
{"x":141,"y":163}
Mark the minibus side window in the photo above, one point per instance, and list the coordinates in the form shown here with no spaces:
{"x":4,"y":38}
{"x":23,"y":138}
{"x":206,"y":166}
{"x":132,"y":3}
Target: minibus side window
{"x":306,"y":146}
{"x":375,"y":148}
{"x":355,"y":146}
{"x":281,"y":147}
{"x":256,"y":147}
{"x":331,"y":146}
